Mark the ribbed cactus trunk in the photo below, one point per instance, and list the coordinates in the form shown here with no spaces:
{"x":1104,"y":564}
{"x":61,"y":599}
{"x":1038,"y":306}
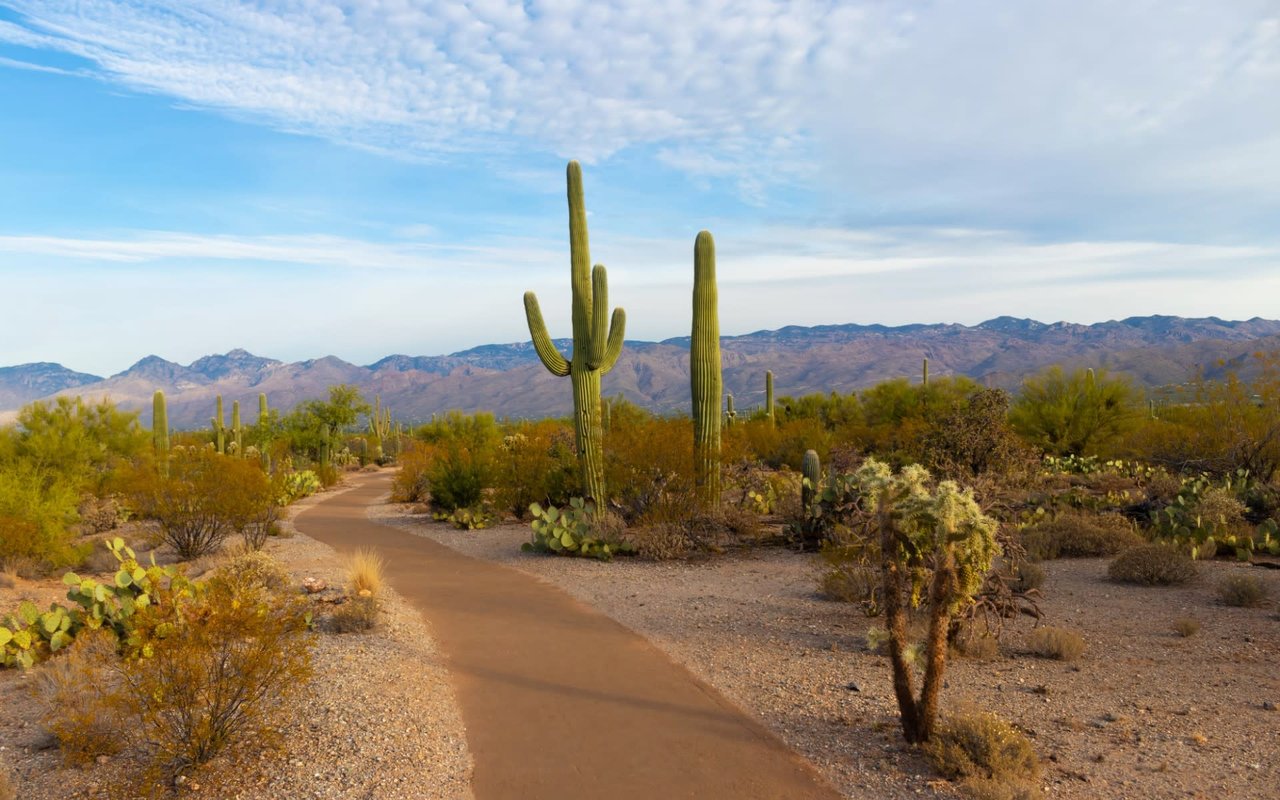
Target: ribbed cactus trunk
{"x":160,"y":431}
{"x":237,"y":433}
{"x":704,"y":371}
{"x":812,"y":468}
{"x":324,"y":445}
{"x":729,"y":414}
{"x":597,"y":341}
{"x":768,"y":396}
{"x":924,"y":374}
{"x":264,"y":415}
{"x":219,"y":430}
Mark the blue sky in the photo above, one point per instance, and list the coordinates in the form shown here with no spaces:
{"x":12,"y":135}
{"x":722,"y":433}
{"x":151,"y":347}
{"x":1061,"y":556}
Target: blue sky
{"x":303,"y":178}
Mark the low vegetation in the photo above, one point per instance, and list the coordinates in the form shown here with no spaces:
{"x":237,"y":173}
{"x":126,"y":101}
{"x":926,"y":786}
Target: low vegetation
{"x":1243,"y":591}
{"x":1153,"y":565}
{"x":990,"y":758}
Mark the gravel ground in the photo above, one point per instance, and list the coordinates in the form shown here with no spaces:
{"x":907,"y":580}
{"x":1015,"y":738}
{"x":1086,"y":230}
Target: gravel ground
{"x":1143,"y":713}
{"x":378,"y":720}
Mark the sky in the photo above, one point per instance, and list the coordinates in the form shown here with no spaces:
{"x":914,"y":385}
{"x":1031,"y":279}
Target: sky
{"x":302,"y":177}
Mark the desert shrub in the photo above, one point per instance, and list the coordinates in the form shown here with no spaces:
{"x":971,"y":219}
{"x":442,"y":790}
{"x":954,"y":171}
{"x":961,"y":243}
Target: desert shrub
{"x":849,"y":576}
{"x":1153,"y":565}
{"x":364,"y":572}
{"x":98,"y":514}
{"x":536,"y":463}
{"x":1058,"y":643}
{"x":975,"y":640}
{"x":77,"y":443}
{"x":1072,"y":413}
{"x":742,"y":524}
{"x":223,"y":667}
{"x":37,"y":513}
{"x":254,"y":568}
{"x":327,"y":474}
{"x":1242,"y":591}
{"x":1027,"y":576}
{"x":355,"y":615}
{"x":412,"y":483}
{"x":75,"y":695}
{"x":659,"y":541}
{"x":204,"y":499}
{"x":1186,"y":627}
{"x":1075,"y":534}
{"x":7,"y":789}
{"x":458,"y":476}
{"x":576,"y":530}
{"x":989,"y":756}
{"x":976,"y":439}
{"x":475,"y":518}
{"x":648,"y":466}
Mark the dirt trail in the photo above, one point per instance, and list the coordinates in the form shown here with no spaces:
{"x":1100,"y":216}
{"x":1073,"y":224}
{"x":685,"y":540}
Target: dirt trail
{"x":561,"y":702}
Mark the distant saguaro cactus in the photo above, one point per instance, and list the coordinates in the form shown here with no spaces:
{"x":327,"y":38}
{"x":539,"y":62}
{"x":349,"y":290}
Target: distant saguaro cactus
{"x":768,"y":396}
{"x":324,"y":445}
{"x":160,"y":431}
{"x":264,"y":416}
{"x":729,"y":414}
{"x":379,"y":426}
{"x":812,"y":468}
{"x":237,"y":432}
{"x":597,"y":343}
{"x":924,"y":375}
{"x":219,"y":429}
{"x":704,"y":371}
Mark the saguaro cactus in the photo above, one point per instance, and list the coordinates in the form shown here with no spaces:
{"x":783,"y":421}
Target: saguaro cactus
{"x":729,"y":414}
{"x":597,"y":343}
{"x":379,"y":426}
{"x":237,"y":432}
{"x":160,"y":431}
{"x":768,"y":396}
{"x":324,"y":445}
{"x":813,"y":478}
{"x":704,"y":371}
{"x":264,"y":416}
{"x":924,"y":374}
{"x":219,"y":430}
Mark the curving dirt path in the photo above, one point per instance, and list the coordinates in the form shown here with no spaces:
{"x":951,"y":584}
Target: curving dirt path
{"x":561,"y":702}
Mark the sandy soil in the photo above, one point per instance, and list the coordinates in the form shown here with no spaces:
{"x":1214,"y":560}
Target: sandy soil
{"x":378,"y":720}
{"x":1144,"y":713}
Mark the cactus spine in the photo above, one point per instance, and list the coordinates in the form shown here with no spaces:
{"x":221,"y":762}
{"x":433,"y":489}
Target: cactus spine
{"x":160,"y":431}
{"x":729,"y":414}
{"x":219,"y":430}
{"x":812,"y":469}
{"x":705,"y":379}
{"x":597,"y":342}
{"x":237,"y":433}
{"x":924,"y":379}
{"x":768,"y":396}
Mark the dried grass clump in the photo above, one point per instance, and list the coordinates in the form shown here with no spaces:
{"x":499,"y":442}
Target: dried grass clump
{"x":7,"y":790}
{"x":989,"y":757}
{"x":661,"y":541}
{"x":1186,"y":627}
{"x":75,"y":694}
{"x":1028,"y":576}
{"x":1243,"y":591}
{"x":1059,"y":643}
{"x":976,"y":641}
{"x":850,"y":583}
{"x":1153,"y":565}
{"x":1076,"y":534}
{"x":357,"y":615}
{"x":364,"y":572}
{"x":254,"y":568}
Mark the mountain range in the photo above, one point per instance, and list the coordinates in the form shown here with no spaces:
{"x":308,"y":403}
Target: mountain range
{"x":508,"y":379}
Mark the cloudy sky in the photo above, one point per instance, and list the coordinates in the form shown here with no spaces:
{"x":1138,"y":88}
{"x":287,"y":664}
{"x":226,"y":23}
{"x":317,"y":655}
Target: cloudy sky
{"x":303,"y":177}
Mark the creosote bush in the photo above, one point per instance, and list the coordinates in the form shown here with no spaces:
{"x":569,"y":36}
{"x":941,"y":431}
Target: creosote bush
{"x":1075,"y":534}
{"x":1057,"y":643}
{"x":1186,"y":627}
{"x":1153,"y":565}
{"x":356,"y":615}
{"x":989,"y":757}
{"x":1242,"y":591}
{"x":76,"y":696}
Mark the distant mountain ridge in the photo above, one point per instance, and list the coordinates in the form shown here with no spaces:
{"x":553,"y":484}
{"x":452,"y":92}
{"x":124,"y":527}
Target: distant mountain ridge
{"x":508,"y":379}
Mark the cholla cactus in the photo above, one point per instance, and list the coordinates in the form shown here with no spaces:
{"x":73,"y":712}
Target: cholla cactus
{"x":597,"y":341}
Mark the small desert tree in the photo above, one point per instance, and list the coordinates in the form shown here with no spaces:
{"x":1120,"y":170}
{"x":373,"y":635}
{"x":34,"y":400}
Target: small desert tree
{"x":936,"y":547}
{"x":1072,"y":413}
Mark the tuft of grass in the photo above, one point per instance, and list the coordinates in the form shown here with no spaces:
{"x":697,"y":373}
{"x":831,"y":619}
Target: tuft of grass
{"x":1186,"y":627}
{"x":357,"y":615}
{"x":992,"y":759}
{"x":976,"y":641}
{"x":1059,"y":643}
{"x":1153,"y":565}
{"x":364,"y":573}
{"x":7,"y":790}
{"x":1029,"y":576}
{"x":74,"y":695}
{"x":1242,"y":591}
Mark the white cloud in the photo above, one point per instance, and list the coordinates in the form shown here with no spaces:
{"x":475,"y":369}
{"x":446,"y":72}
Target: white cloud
{"x":1045,"y":110}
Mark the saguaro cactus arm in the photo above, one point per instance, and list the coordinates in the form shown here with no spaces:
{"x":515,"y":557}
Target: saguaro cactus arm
{"x":550,"y":357}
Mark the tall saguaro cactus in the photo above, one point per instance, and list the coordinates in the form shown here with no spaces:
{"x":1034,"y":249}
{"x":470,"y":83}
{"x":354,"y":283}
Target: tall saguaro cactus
{"x":730,"y":416}
{"x":597,"y":342}
{"x":379,"y":426}
{"x":924,"y":374}
{"x":219,"y":429}
{"x":264,"y":416}
{"x":160,"y":431}
{"x":704,"y":371}
{"x":237,"y":432}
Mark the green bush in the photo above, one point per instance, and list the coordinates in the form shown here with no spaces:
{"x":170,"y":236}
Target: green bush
{"x":37,"y":512}
{"x":1153,"y":565}
{"x":989,"y":756}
